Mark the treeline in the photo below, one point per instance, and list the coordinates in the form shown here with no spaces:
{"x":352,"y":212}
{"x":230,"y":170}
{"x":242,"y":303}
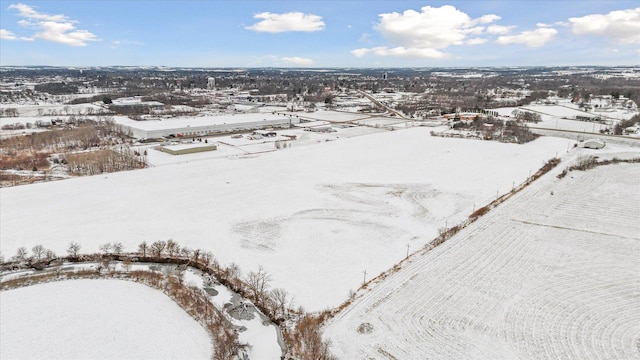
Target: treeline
{"x":82,"y":149}
{"x":618,"y":129}
{"x":57,"y":88}
{"x":104,"y":161}
{"x":584,"y":163}
{"x":9,"y":112}
{"x":82,"y":137}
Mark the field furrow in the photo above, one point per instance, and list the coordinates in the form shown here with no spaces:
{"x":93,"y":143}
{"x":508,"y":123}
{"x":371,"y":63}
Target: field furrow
{"x":550,"y":274}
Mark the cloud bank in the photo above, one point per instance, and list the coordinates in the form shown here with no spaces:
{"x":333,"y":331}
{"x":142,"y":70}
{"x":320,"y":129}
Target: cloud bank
{"x":55,"y":28}
{"x":622,"y":26}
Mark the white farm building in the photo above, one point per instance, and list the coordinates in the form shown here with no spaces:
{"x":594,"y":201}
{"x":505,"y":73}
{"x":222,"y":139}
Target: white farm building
{"x":203,"y":125}
{"x":593,"y":144}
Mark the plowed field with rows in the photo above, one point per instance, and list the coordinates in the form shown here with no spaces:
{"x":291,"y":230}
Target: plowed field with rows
{"x":553,"y":273}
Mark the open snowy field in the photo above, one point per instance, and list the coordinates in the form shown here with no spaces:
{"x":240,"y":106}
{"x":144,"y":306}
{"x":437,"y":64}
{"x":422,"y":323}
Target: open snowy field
{"x":331,"y":210}
{"x":550,"y":274}
{"x":97,"y":319}
{"x":334,"y":116}
{"x":552,"y":118}
{"x":562,"y":117}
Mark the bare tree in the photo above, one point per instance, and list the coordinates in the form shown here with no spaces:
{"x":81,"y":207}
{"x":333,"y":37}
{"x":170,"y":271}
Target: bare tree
{"x":126,"y":263}
{"x":158,"y":247}
{"x":38,"y":252}
{"x":142,"y":248}
{"x":227,"y":344}
{"x":258,"y":282}
{"x":279,"y":299}
{"x":307,"y":341}
{"x":185,"y":252}
{"x":233,"y":273}
{"x":21,"y":254}
{"x":172,"y":248}
{"x":49,"y":254}
{"x":105,"y":249}
{"x":73,"y":249}
{"x":206,"y":258}
{"x":117,"y":248}
{"x":196,"y":255}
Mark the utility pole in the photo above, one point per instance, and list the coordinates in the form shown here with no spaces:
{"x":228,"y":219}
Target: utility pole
{"x":364,"y":279}
{"x":407,"y":251}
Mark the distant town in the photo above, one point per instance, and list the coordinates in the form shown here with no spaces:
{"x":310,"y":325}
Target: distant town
{"x":107,"y":108}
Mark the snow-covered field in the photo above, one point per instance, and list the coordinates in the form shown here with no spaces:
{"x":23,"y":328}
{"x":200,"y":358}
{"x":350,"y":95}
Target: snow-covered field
{"x":553,"y":273}
{"x":330,"y":211}
{"x":97,"y":319}
{"x":335,"y":116}
{"x":562,"y":117}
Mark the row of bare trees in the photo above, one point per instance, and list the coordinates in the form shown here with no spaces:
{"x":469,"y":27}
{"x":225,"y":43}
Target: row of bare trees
{"x":8,"y":112}
{"x":104,"y":161}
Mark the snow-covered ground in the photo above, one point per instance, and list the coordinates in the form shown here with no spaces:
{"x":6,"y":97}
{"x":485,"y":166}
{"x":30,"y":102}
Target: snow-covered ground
{"x":97,"y":319}
{"x":550,"y":274}
{"x":563,"y":117}
{"x":331,"y":210}
{"x":335,"y":116}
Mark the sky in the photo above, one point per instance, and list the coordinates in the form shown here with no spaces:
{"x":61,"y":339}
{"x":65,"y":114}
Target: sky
{"x":319,"y":34}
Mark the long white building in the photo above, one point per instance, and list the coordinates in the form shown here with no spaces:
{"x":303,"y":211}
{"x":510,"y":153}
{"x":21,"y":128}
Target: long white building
{"x":203,"y":125}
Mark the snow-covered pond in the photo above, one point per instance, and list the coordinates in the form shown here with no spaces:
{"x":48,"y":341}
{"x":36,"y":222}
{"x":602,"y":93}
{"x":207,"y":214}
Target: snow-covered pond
{"x":97,"y":319}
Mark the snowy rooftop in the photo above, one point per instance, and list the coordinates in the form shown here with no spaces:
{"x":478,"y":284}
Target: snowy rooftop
{"x":188,"y":145}
{"x":193,"y":121}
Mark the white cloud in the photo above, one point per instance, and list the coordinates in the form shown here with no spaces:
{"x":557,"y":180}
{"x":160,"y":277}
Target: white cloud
{"x":499,"y":29}
{"x":118,"y":43}
{"x":29,"y":13}
{"x":298,"y":61}
{"x":292,"y":21}
{"x":533,"y":38}
{"x":476,"y":41}
{"x":623,"y":26}
{"x":428,"y":32}
{"x":56,"y":28}
{"x":360,"y":52}
{"x":401,"y":51}
{"x":485,"y":19}
{"x":7,"y":35}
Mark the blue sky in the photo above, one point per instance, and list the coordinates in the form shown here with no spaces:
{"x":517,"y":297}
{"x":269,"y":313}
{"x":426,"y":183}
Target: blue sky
{"x":320,"y":33}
